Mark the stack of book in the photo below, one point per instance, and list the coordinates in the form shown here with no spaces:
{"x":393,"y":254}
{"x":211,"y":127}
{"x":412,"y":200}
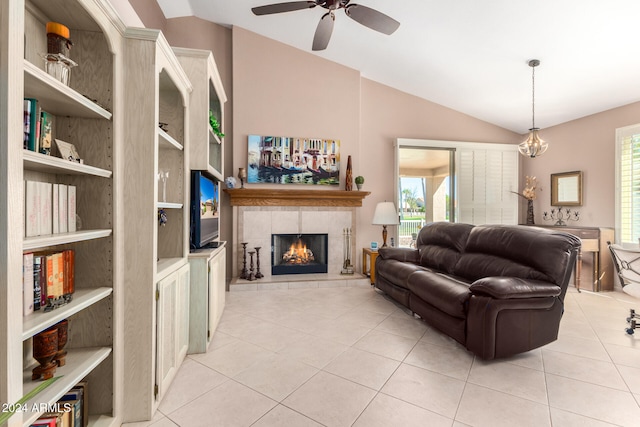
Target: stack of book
{"x":48,"y":279}
{"x":70,"y":411}
{"x":49,"y":208}
{"x":38,"y":126}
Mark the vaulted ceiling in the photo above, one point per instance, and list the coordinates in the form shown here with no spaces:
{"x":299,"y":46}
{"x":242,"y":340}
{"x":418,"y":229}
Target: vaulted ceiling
{"x":472,"y":55}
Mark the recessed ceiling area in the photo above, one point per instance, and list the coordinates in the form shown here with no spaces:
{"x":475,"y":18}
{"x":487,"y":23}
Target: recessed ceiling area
{"x":472,"y":55}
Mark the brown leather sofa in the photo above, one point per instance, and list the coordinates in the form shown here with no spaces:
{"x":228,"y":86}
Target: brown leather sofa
{"x":498,"y":290}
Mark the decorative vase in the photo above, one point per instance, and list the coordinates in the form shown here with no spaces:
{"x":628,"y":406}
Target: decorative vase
{"x":45,"y":348}
{"x":530,"y":220}
{"x":348,"y":186}
{"x":63,"y":334}
{"x":358,"y":186}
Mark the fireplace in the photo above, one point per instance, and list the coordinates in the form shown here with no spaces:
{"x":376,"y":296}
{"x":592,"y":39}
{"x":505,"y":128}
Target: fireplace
{"x":298,"y":253}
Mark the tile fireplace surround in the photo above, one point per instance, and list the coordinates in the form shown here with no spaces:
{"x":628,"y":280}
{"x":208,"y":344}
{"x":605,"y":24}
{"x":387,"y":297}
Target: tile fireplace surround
{"x":259,"y":213}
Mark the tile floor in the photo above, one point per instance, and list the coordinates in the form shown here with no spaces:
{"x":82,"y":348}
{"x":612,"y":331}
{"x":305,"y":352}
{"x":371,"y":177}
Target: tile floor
{"x":349,"y":357}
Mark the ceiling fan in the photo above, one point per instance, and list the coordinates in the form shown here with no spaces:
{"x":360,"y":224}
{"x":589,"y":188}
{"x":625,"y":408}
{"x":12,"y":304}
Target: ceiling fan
{"x":364,"y":15}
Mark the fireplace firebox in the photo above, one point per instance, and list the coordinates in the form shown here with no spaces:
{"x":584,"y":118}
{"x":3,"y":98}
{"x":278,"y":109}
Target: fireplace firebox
{"x":298,"y":253}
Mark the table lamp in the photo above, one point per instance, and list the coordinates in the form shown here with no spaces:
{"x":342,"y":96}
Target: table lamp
{"x":385,"y":214}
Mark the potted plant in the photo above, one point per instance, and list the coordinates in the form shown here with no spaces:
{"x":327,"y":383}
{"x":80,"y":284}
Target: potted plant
{"x":359,"y":181}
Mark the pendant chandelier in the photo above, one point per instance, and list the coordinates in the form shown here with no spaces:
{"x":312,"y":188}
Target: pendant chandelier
{"x":533,"y":146}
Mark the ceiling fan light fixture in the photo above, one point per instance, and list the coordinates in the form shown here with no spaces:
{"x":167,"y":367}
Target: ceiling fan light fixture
{"x":366,"y":16}
{"x":533,"y":146}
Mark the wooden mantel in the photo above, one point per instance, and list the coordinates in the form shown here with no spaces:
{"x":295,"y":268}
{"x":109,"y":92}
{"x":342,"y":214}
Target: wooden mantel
{"x":289,"y":197}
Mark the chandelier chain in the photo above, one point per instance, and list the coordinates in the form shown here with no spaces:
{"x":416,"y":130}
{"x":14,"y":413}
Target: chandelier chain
{"x":533,"y":96}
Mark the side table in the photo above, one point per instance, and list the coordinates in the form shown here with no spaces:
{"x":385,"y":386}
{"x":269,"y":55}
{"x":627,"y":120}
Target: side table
{"x":370,"y":255}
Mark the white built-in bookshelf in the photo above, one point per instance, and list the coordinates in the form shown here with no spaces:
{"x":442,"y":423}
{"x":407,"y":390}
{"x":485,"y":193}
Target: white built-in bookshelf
{"x":206,"y":150}
{"x":156,"y":275}
{"x":128,"y":320}
{"x":85,"y":114}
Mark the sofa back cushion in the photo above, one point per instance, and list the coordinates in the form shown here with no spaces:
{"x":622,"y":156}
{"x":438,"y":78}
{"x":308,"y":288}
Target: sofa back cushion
{"x":441,"y":243}
{"x":518,"y":251}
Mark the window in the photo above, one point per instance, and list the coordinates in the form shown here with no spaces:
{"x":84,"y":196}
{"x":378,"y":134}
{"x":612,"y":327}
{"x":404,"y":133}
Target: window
{"x":482,"y":179}
{"x":628,"y":184}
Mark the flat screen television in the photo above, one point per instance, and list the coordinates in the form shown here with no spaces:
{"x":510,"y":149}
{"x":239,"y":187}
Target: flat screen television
{"x":205,"y":205}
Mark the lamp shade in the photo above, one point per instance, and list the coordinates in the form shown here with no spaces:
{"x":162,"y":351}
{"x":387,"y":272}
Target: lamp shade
{"x":385,"y":214}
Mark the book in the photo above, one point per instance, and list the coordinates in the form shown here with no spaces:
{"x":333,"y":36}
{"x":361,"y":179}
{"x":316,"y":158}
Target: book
{"x":43,"y":277}
{"x":69,"y":256}
{"x":55,"y":275}
{"x":46,"y":421}
{"x":63,"y":418}
{"x":46,"y":216}
{"x":46,"y":133}
{"x":27,"y":123}
{"x":83,"y":386}
{"x":27,"y":283}
{"x":32,"y":209}
{"x":63,"y":215}
{"x":55,"y":209}
{"x":38,"y":275}
{"x":74,"y":398}
{"x":71,"y":208}
{"x":33,"y":123}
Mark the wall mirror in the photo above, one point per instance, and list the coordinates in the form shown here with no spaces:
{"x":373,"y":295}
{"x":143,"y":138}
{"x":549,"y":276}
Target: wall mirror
{"x":566,"y":189}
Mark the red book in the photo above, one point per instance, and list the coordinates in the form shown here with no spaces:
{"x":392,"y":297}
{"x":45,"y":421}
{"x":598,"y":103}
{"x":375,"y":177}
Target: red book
{"x":48,"y":422}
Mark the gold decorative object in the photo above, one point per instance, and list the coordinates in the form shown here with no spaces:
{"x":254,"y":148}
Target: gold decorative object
{"x":242,"y":174}
{"x":533,"y":146}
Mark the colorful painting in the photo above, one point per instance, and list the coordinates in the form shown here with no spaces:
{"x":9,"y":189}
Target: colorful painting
{"x":286,"y":160}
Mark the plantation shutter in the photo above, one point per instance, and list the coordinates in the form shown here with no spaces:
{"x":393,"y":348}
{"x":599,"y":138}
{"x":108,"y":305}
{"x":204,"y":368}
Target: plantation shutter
{"x":628,"y":184}
{"x":485,"y":180}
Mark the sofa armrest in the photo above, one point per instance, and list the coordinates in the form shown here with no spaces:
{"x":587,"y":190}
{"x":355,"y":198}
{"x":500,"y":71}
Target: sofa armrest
{"x":400,"y":254}
{"x":513,"y":288}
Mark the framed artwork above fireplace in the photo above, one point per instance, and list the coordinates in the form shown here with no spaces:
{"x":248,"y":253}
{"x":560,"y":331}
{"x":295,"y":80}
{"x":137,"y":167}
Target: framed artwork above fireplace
{"x":293,"y":160}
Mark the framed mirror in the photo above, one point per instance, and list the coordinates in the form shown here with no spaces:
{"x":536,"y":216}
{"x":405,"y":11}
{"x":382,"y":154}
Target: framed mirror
{"x":566,"y":189}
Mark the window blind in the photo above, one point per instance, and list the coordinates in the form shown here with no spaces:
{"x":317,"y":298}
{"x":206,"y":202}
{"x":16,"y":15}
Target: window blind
{"x":628,"y":180}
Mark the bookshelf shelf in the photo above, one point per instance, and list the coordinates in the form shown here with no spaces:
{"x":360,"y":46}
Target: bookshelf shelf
{"x":31,"y":243}
{"x":166,"y":141}
{"x":55,"y":96}
{"x":215,"y":137}
{"x":42,"y":163}
{"x":80,"y":362}
{"x":82,"y":298}
{"x":168,"y":205}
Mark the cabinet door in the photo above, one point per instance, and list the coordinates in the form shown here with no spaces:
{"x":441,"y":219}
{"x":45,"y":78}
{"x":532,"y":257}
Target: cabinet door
{"x":183,"y":313}
{"x":216,"y":292}
{"x":172,"y":316}
{"x":166,"y":340}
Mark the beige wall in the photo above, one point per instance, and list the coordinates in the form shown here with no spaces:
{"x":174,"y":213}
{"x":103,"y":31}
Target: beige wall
{"x":279,"y":90}
{"x":386,"y":114}
{"x":588,"y":145}
{"x":276,"y":89}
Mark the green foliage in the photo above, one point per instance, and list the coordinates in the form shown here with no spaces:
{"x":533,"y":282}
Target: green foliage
{"x":359,"y":179}
{"x":215,"y":125}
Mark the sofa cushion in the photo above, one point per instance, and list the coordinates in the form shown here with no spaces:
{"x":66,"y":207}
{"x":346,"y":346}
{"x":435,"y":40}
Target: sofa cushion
{"x":442,"y":291}
{"x":531,"y":253}
{"x":396,"y":272}
{"x":440,"y":244}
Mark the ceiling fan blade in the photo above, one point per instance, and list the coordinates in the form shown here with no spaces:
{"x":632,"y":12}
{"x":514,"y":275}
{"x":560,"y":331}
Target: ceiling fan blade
{"x":372,"y":18}
{"x":283,"y":7}
{"x":323,"y":32}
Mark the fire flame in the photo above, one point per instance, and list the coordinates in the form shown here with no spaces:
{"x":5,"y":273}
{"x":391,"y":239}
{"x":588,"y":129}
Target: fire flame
{"x":298,"y":254}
